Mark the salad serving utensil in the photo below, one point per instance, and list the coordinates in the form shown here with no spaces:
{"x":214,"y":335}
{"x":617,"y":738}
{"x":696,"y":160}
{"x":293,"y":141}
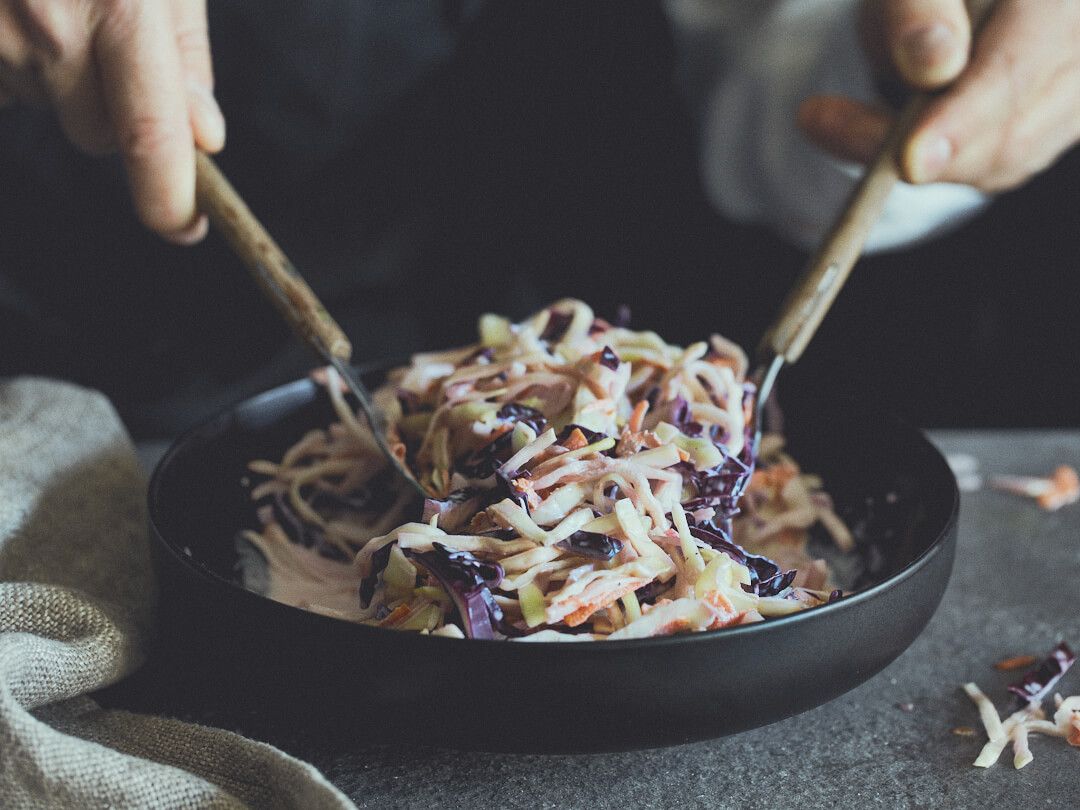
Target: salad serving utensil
{"x":282,"y":283}
{"x":828,"y":269}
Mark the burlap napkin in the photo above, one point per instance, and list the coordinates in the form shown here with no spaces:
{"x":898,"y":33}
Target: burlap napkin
{"x":76,"y":601}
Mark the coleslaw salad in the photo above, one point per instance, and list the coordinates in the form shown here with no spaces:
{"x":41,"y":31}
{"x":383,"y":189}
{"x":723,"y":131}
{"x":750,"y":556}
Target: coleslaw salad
{"x":586,"y":482}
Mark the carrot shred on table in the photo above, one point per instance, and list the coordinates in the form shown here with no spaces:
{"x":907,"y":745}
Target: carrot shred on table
{"x":1016,"y":662}
{"x":1059,"y":489}
{"x":963,"y":731}
{"x":1064,"y":489}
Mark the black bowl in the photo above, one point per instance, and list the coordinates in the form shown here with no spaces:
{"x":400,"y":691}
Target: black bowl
{"x":255,"y":658}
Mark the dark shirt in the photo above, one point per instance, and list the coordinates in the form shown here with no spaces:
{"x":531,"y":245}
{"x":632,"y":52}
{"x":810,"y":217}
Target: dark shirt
{"x":426,"y":162}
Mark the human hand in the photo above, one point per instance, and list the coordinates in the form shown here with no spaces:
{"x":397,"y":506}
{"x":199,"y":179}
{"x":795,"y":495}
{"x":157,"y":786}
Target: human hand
{"x":1013,"y":107}
{"x":127,"y":75}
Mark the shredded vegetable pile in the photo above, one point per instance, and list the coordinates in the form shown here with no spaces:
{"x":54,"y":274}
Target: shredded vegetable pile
{"x":585,"y":483}
{"x":1030,"y":718}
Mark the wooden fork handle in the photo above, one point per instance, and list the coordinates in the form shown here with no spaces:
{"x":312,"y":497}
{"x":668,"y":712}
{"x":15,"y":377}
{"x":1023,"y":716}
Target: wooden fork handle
{"x":277,"y":277}
{"x":825,"y":274}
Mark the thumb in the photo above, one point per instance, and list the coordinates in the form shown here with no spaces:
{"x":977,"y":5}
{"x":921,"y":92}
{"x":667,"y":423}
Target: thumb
{"x":928,"y":40}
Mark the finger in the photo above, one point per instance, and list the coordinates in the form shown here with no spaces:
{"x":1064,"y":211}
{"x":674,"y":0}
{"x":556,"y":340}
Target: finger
{"x":70,"y":76}
{"x":846,"y":128}
{"x":207,"y":122}
{"x":144,"y":93}
{"x":80,"y":106}
{"x":17,"y":79}
{"x":961,"y":134}
{"x":193,"y":234}
{"x":193,"y":40}
{"x":14,"y":44}
{"x":193,"y":44}
{"x":1013,"y":149}
{"x":928,"y":40}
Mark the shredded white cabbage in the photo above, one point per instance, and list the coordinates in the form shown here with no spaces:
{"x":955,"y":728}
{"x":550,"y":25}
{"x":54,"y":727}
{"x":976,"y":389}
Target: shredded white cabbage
{"x":1029,"y":720}
{"x":563,"y":450}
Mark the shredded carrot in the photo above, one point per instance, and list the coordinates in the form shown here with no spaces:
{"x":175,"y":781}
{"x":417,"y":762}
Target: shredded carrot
{"x":576,"y":440}
{"x":774,"y":476}
{"x":395,"y":616}
{"x":728,"y":616}
{"x":1060,"y":488}
{"x":1016,"y":662}
{"x":548,"y":453}
{"x":728,"y":620}
{"x":580,"y":615}
{"x":525,"y":486}
{"x":589,"y":608}
{"x":722,"y":361}
{"x":718,"y":600}
{"x":964,"y":731}
{"x":637,"y":416}
{"x":683,"y":455}
{"x":1064,"y":489}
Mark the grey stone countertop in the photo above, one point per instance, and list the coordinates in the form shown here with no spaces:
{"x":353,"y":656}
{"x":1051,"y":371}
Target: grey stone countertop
{"x":888,"y":743}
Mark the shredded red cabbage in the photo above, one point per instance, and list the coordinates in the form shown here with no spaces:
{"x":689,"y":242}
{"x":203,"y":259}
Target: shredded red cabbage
{"x":1037,"y":683}
{"x":721,"y":487}
{"x":693,"y":429}
{"x":592,"y":545}
{"x":558,"y":323}
{"x":648,"y":593}
{"x":591,"y":436}
{"x":278,"y":510}
{"x":675,"y":412}
{"x":379,"y":561}
{"x":608,"y":358}
{"x":481,"y":356}
{"x":505,"y":487}
{"x":456,"y":510}
{"x":516,"y":412}
{"x":483,"y":462}
{"x":468,"y":581}
{"x":766,"y":577}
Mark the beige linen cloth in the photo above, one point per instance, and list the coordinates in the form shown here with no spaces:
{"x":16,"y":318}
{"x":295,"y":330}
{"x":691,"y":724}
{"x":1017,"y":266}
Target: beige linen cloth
{"x":76,"y":601}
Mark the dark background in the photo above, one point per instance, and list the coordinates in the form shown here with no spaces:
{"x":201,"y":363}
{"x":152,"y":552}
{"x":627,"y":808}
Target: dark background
{"x":521,"y":153}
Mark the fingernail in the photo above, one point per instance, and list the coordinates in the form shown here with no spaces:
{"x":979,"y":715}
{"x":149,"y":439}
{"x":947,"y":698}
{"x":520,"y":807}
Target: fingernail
{"x":209,"y":122}
{"x":926,"y":52}
{"x":930,"y":154}
{"x":191,"y":235}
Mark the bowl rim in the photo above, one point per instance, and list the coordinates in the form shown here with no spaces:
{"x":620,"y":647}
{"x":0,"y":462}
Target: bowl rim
{"x":236,"y":590}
